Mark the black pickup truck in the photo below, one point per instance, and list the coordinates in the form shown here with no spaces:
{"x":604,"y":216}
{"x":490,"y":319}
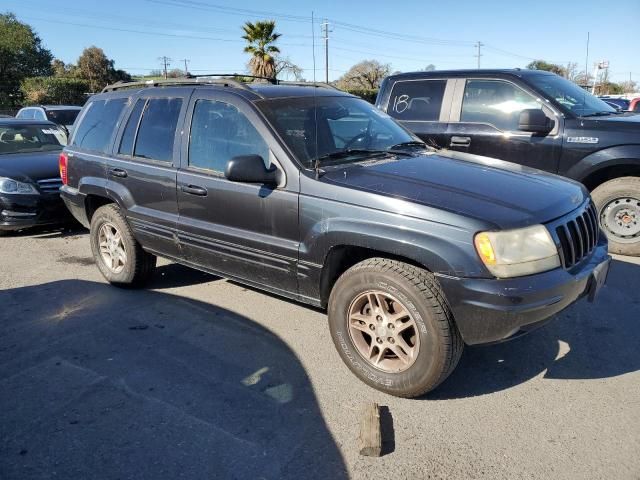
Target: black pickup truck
{"x":533,"y":118}
{"x":316,"y":195}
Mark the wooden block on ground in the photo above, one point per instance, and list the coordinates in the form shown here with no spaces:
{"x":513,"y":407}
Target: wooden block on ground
{"x":370,"y":440}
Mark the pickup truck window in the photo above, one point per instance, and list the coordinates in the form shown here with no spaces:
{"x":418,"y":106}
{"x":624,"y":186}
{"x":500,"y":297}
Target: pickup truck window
{"x":570,"y":95}
{"x":98,"y":123}
{"x":219,"y":132}
{"x":417,"y":99}
{"x":157,"y":129}
{"x":495,"y":102}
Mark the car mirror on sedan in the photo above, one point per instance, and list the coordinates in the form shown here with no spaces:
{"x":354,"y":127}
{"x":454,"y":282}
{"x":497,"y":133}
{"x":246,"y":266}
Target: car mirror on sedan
{"x":251,"y":169}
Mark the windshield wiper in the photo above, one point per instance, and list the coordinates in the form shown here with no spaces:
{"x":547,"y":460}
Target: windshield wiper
{"x":412,"y":143}
{"x":599,"y":114}
{"x":349,"y":152}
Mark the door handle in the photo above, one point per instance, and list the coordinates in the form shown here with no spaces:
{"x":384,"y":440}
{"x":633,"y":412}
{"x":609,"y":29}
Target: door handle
{"x":194,"y":190}
{"x":460,"y":141}
{"x":117,"y":172}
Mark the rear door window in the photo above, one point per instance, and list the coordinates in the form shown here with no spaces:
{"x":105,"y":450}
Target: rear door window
{"x":495,"y":102}
{"x":129,"y":135}
{"x":98,"y":124}
{"x":157,"y":130}
{"x":26,"y":114}
{"x":417,"y":99}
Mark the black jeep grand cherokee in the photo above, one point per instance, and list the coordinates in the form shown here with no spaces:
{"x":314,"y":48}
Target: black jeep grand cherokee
{"x":315,"y":195}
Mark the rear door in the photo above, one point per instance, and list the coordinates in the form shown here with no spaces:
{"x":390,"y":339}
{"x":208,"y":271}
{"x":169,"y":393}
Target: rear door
{"x":422,"y":105}
{"x":242,"y":230}
{"x":142,"y":170}
{"x":484,"y":121}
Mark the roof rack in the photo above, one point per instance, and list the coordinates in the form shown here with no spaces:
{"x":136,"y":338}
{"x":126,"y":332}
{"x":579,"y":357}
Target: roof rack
{"x":212,"y":79}
{"x":306,"y":84}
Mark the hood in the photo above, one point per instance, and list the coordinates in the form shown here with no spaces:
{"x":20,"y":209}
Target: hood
{"x":34,"y":165}
{"x":504,"y":194}
{"x":629,"y":121}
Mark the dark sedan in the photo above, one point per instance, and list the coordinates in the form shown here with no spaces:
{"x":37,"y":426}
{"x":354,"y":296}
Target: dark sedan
{"x":29,"y":175}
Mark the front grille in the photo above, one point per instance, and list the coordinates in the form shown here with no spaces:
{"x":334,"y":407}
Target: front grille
{"x":50,"y":185}
{"x":577,"y":236}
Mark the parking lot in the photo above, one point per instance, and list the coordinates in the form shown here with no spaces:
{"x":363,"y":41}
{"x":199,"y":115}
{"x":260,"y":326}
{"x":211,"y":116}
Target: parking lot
{"x":196,"y":377}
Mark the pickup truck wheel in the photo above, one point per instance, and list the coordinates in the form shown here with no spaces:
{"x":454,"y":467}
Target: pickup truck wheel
{"x":119,"y":257}
{"x":618,"y":205}
{"x":393,"y":328}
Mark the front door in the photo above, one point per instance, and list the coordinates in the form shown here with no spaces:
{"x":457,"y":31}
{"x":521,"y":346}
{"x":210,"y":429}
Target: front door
{"x":241,"y":230}
{"x":486,"y":123}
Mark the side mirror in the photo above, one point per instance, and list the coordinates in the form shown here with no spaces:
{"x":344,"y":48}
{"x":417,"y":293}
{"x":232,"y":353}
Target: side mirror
{"x":251,"y":169}
{"x":534,"y":120}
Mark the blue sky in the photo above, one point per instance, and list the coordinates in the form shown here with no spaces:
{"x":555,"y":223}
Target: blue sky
{"x":409,"y":34}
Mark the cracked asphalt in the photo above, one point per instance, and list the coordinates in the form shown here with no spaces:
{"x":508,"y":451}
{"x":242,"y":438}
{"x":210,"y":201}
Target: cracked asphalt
{"x":196,"y":377}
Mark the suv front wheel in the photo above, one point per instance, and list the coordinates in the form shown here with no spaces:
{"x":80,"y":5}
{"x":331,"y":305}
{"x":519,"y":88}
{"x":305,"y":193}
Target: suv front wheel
{"x":393,"y":328}
{"x":118,"y":255}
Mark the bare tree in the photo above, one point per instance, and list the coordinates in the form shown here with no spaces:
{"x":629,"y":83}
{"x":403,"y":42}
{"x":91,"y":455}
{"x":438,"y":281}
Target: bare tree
{"x":364,"y":75}
{"x":285,"y":67}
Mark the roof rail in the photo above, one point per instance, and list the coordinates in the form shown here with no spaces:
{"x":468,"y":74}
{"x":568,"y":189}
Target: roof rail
{"x":306,"y":84}
{"x":190,"y":80}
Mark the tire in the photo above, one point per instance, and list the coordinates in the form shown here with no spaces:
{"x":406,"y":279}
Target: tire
{"x":417,"y":293}
{"x":136,"y":266}
{"x":618,"y":200}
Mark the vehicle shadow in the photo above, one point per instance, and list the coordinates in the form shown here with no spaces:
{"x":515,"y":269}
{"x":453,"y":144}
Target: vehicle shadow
{"x":100,"y":382}
{"x":585,"y":341}
{"x":174,"y":275}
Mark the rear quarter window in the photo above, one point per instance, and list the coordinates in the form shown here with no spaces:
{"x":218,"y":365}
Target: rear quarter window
{"x":98,"y":124}
{"x":416,"y":99}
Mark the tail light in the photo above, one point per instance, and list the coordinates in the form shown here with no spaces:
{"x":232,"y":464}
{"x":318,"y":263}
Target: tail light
{"x":62,"y":162}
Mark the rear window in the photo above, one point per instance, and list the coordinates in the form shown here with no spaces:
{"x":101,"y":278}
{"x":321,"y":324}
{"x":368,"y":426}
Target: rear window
{"x":416,"y":99}
{"x":98,"y":124}
{"x":62,"y":117}
{"x":157,"y":130}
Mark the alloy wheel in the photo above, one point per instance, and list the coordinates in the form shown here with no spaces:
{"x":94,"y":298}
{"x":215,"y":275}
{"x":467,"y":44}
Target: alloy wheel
{"x":383,"y":331}
{"x":112,"y":249}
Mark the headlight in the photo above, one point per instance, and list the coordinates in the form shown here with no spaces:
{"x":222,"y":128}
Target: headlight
{"x":513,"y":253}
{"x":8,"y":185}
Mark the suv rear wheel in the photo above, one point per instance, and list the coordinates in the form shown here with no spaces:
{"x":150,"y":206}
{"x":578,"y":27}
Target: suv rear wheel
{"x":618,"y":205}
{"x":119,"y":257}
{"x":393,"y":328}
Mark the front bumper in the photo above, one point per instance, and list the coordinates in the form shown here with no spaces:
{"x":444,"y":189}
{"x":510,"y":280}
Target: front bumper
{"x":493,"y":310}
{"x":23,"y":211}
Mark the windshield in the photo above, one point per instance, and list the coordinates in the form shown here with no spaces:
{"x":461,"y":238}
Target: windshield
{"x":29,"y":138}
{"x":570,"y":95}
{"x":346,"y":128}
{"x":62,"y":117}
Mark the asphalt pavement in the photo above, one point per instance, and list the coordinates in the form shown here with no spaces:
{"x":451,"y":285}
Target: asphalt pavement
{"x":196,"y":377}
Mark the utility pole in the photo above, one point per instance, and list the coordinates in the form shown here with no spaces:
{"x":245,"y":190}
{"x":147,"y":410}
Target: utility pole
{"x":479,"y":45}
{"x":186,"y":70}
{"x":325,"y":30}
{"x":166,"y":62}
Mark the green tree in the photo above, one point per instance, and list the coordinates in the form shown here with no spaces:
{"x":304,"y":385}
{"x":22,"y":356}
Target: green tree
{"x":21,"y":55}
{"x":365,"y":75}
{"x":260,"y":37}
{"x":95,"y":67}
{"x":549,"y":67}
{"x":54,"y":90}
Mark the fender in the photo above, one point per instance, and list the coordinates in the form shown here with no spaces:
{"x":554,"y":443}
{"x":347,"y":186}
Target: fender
{"x":443,"y":249}
{"x":620,"y":155}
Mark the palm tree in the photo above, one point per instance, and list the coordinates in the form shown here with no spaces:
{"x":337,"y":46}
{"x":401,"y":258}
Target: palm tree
{"x":260,"y":37}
